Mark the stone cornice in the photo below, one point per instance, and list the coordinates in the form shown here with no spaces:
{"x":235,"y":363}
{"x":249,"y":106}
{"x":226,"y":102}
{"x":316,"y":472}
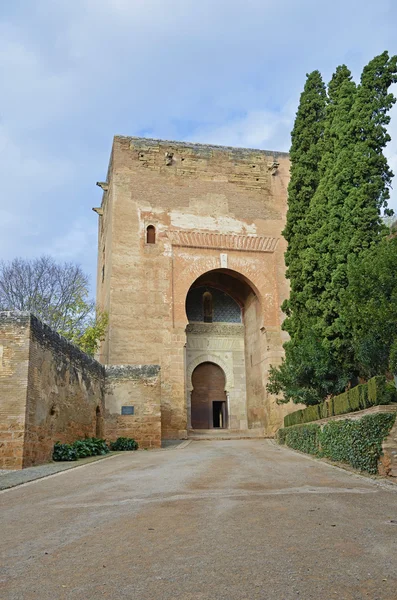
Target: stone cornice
{"x":222,"y":241}
{"x":216,"y":329}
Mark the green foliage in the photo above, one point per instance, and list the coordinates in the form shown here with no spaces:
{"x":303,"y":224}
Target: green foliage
{"x":80,"y":449}
{"x":334,"y":221}
{"x":369,"y":306}
{"x":308,"y":373}
{"x":58,"y":294}
{"x":304,"y":438}
{"x":64,"y":452}
{"x":89,"y":340}
{"x":281,"y":435}
{"x":124,"y":443}
{"x":305,"y":154}
{"x":358,"y":443}
{"x":377,"y":391}
{"x":393,"y":357}
{"x":91,"y":447}
{"x":341,"y":404}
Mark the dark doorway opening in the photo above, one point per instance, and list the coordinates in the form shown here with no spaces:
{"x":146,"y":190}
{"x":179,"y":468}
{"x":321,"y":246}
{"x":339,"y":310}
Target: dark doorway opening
{"x":208,"y":382}
{"x":219,"y":414}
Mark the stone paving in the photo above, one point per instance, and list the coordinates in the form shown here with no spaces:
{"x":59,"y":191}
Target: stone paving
{"x":222,"y":520}
{"x":11,"y":478}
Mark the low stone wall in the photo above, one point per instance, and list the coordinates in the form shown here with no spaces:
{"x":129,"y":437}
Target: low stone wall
{"x":51,"y":391}
{"x":134,"y":389}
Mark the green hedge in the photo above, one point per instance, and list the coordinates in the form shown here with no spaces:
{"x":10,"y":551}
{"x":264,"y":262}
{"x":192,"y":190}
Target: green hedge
{"x":376,"y":391}
{"x":358,"y":443}
{"x":304,"y":438}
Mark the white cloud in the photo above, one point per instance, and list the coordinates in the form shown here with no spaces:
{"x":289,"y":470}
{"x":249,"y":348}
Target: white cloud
{"x":226,"y":72}
{"x":256,"y":129}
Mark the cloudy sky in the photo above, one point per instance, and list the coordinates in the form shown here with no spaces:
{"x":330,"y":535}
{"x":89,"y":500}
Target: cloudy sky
{"x":75,"y":72}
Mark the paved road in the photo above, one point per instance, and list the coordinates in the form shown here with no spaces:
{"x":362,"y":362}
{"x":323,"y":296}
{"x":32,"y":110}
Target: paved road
{"x":232,"y":520}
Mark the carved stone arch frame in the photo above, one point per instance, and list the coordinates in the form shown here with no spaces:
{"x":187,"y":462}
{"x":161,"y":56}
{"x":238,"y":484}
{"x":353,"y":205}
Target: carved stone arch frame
{"x":212,"y":358}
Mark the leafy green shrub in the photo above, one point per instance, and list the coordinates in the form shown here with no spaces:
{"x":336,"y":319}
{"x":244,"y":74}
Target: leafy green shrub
{"x":80,"y":449}
{"x":124,"y":443}
{"x":390,"y":393}
{"x":281,"y":433}
{"x":393,"y":357}
{"x":64,"y":452}
{"x":95,"y":446}
{"x":358,"y":443}
{"x":381,"y":391}
{"x":304,"y":438}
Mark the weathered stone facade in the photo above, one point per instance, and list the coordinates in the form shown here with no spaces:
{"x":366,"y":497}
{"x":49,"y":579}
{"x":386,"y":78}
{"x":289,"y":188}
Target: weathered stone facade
{"x":175,"y":216}
{"x":51,"y":391}
{"x":137,"y":386}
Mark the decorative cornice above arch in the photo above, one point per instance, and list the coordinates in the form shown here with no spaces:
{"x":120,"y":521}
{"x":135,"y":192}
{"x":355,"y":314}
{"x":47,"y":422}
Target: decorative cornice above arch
{"x":212,"y":358}
{"x":222,"y":241}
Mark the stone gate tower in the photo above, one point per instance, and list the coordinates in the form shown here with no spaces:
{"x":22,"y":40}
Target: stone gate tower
{"x":191,"y":272}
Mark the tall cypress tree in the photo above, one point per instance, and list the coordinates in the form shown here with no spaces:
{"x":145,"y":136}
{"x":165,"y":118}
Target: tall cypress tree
{"x":342,"y":218}
{"x":324,"y":219}
{"x":305,"y":154}
{"x":357,"y":189}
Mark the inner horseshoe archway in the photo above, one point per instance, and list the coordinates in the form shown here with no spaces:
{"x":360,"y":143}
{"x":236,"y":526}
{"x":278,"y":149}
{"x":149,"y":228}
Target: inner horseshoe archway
{"x":208,"y":400}
{"x":224,"y":336}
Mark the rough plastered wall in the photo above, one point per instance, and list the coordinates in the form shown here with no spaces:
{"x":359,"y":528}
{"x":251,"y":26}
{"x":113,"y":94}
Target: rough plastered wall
{"x":212,"y":207}
{"x":14,"y":360}
{"x":222,"y":344}
{"x":138,"y":388}
{"x":65,"y":393}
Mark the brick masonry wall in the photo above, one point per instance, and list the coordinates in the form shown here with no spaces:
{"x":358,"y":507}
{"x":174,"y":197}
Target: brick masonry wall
{"x":65,"y":394}
{"x":137,"y":387}
{"x":14,"y":359}
{"x":51,"y":391}
{"x":206,"y":202}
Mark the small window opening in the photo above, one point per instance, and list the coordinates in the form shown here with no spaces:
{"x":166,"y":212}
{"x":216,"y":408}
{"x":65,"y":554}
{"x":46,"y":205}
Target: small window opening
{"x":103,"y":273}
{"x":150,"y":234}
{"x":207,"y":307}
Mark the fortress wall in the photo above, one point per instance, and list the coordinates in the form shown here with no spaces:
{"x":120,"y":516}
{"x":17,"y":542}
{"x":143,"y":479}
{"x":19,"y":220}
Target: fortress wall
{"x":51,"y":391}
{"x":65,"y":389}
{"x":14,"y":365}
{"x":138,"y":388}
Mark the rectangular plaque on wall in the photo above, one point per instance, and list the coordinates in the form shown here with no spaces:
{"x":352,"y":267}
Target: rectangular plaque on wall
{"x":127,"y":410}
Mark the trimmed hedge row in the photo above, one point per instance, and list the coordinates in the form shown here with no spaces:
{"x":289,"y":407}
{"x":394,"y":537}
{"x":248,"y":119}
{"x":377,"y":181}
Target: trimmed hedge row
{"x":358,"y":443}
{"x":376,"y":391}
{"x":90,"y":447}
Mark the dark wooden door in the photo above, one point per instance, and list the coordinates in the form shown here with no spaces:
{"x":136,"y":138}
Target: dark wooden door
{"x":208,"y":386}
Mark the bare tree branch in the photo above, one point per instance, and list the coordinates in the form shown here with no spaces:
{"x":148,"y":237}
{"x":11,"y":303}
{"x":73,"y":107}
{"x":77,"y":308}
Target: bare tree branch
{"x":56,"y":293}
